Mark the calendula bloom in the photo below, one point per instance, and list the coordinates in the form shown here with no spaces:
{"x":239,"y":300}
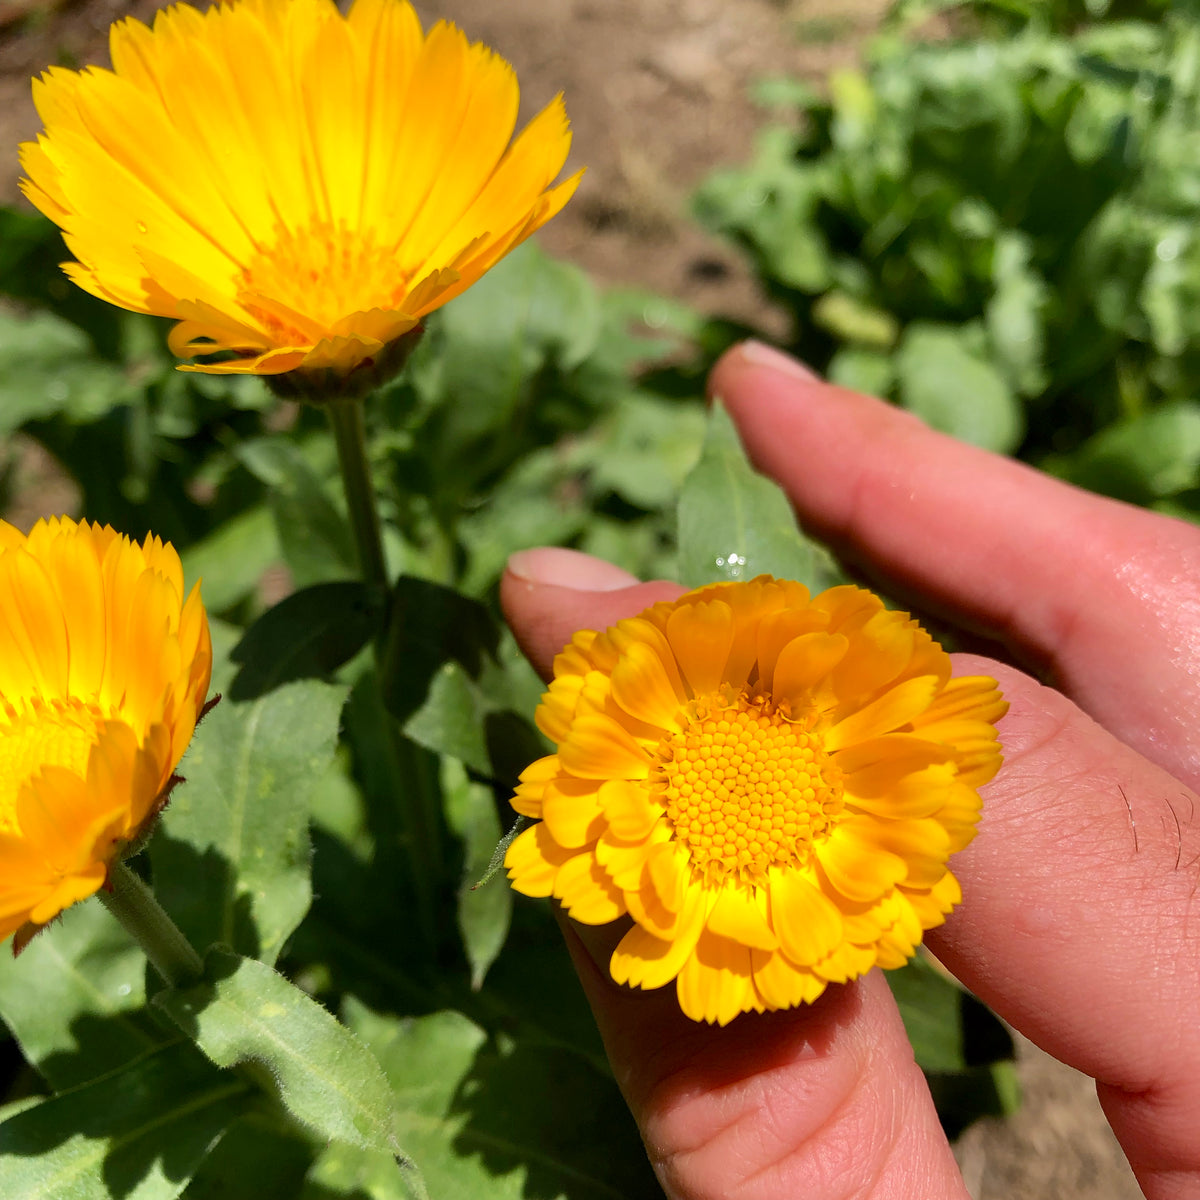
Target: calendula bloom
{"x":769,"y":784}
{"x":104,"y":666}
{"x":291,"y":185}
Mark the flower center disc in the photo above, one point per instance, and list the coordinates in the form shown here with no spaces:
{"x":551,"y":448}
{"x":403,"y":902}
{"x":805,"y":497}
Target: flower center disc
{"x":44,"y":735}
{"x":745,"y":789}
{"x":321,"y":274}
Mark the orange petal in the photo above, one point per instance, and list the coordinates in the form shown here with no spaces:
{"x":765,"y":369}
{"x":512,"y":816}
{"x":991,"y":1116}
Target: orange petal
{"x":643,"y":688}
{"x":701,"y":637}
{"x":887,"y":714}
{"x":599,"y":748}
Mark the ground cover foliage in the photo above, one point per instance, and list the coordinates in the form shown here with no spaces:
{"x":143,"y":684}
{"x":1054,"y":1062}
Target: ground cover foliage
{"x":996,"y":228}
{"x":992,"y":228}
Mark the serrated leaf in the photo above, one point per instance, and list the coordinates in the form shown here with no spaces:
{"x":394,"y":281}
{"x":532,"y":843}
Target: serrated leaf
{"x":245,"y":1012}
{"x":72,"y":999}
{"x":484,"y":909}
{"x":307,"y":635}
{"x":231,"y":856}
{"x":138,"y":1133}
{"x":736,"y":524}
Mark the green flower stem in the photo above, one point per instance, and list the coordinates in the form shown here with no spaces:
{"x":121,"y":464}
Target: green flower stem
{"x":346,"y":417}
{"x":134,"y":905}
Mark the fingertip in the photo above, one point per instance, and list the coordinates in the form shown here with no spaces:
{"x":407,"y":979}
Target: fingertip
{"x":756,"y":356}
{"x":557,"y":566}
{"x":548,"y":594}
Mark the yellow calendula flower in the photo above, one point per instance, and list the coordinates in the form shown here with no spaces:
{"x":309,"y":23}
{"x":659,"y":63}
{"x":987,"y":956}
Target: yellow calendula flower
{"x":290,"y":184}
{"x":104,"y":666}
{"x":769,"y":785}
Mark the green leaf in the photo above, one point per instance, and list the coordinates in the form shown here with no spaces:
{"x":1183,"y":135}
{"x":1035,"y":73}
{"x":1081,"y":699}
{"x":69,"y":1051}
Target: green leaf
{"x":955,"y":390}
{"x":451,"y":721}
{"x":231,"y":856}
{"x":313,"y":534}
{"x":484,"y":909}
{"x":429,"y":625}
{"x":138,"y":1133}
{"x":646,"y":449}
{"x":949,"y":1029}
{"x":48,"y":367}
{"x":529,"y":310}
{"x":862,"y":370}
{"x":506,"y":1120}
{"x":307,"y":635}
{"x":245,"y":1012}
{"x":1152,"y":457}
{"x":73,"y":998}
{"x":257,"y":1159}
{"x":736,"y":524}
{"x":232,"y":559}
{"x":1016,"y":316}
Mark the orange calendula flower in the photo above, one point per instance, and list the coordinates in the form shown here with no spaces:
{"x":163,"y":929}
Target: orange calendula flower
{"x":292,"y":185}
{"x":769,"y":784}
{"x":104,"y":666}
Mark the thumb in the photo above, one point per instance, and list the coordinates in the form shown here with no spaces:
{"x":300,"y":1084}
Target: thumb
{"x":549,"y":594}
{"x":821,"y":1100}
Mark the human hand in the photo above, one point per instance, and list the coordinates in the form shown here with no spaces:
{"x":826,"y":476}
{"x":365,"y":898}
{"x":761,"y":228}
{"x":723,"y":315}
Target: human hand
{"x":1077,"y":924}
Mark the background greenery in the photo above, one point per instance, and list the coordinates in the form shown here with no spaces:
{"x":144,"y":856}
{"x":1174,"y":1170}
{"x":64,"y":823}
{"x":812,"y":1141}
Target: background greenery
{"x":993,"y":227}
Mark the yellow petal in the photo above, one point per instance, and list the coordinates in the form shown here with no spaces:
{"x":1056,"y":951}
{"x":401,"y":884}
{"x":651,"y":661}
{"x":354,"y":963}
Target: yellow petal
{"x":781,"y":983}
{"x":740,"y":914}
{"x":808,"y":925}
{"x":858,"y":870}
{"x":533,"y":860}
{"x":716,"y":983}
{"x":571,"y":811}
{"x":587,"y":893}
{"x":641,"y":960}
{"x":804,"y":664}
{"x":629,"y":809}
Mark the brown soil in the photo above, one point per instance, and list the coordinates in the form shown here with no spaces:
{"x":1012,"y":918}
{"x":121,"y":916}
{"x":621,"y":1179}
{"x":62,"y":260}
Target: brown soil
{"x":658,"y":95}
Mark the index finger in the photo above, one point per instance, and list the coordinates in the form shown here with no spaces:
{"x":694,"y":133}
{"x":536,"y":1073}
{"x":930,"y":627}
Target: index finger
{"x":1104,"y":595}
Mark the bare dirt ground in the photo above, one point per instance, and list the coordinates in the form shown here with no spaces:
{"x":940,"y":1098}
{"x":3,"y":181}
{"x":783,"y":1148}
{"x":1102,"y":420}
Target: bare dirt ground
{"x":658,"y":95}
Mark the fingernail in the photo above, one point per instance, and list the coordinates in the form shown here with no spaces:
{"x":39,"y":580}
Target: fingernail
{"x":762,"y":355}
{"x":557,"y":567}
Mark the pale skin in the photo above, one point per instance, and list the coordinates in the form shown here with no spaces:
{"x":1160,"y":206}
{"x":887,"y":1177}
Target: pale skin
{"x":1080,"y":923}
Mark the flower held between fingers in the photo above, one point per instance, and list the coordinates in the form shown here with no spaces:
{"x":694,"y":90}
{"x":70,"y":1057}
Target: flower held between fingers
{"x":770,"y":784}
{"x":104,"y":667}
